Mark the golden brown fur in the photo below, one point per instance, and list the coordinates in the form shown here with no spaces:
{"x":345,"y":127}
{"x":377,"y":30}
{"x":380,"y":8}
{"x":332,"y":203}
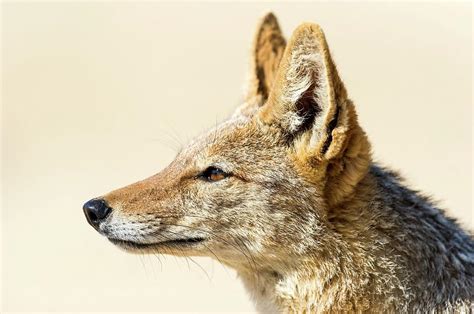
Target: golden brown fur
{"x":302,"y":213}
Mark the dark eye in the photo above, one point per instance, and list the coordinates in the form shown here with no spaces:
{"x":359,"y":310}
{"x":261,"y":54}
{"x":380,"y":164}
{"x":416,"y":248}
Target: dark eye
{"x":213,"y":174}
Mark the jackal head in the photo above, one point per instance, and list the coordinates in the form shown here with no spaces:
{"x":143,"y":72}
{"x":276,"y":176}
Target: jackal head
{"x":260,"y":186}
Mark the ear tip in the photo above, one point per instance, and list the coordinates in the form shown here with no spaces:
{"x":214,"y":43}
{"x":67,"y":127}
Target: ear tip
{"x":310,"y":31}
{"x":269,"y":16}
{"x":269,"y":19}
{"x":309,"y":27}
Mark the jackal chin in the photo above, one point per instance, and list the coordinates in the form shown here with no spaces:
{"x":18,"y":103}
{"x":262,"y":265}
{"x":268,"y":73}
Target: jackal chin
{"x":181,"y":246}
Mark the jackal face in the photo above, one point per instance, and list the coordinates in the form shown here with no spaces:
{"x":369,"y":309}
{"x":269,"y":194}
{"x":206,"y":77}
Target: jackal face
{"x":259,"y":185}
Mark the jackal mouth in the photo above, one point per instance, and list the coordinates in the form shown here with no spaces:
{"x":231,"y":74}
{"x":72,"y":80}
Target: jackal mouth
{"x":168,"y":243}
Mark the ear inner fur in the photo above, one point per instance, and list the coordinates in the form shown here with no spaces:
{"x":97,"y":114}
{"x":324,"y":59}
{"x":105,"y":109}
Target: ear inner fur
{"x":306,"y":71}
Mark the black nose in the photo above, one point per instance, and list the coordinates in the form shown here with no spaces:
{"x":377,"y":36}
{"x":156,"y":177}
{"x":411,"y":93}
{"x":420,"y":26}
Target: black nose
{"x":96,"y":210}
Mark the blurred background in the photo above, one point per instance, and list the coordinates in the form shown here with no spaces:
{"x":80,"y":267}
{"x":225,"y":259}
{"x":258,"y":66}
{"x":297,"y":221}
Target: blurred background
{"x":97,"y":95}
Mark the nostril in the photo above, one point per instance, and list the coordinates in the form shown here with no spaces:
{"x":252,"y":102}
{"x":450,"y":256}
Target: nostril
{"x":92,"y":216}
{"x":96,"y":210}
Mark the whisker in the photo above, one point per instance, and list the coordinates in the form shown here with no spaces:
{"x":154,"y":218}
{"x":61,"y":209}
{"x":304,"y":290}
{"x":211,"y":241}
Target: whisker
{"x":252,"y":263}
{"x":207,"y":247}
{"x":202,"y":268}
{"x":188,"y":258}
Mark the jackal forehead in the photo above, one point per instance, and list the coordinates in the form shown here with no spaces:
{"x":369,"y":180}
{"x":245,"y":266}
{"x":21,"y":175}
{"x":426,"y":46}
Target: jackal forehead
{"x":229,"y":136}
{"x":226,"y":129}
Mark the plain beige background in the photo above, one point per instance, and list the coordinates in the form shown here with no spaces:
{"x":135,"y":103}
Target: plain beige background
{"x":98,"y":95}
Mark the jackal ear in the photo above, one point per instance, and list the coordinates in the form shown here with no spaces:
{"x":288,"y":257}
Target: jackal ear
{"x":308,"y":99}
{"x":267,"y":50}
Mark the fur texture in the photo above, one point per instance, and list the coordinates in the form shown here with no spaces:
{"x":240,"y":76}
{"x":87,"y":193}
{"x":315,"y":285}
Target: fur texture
{"x":299,"y":209}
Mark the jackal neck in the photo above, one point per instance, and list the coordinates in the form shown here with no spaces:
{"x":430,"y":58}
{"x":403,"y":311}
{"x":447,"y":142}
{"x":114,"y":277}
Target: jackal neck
{"x":333,"y":280}
{"x":347,"y":270}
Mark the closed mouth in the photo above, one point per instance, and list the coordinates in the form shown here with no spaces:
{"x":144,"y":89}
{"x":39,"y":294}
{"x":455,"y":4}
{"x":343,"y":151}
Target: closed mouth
{"x":169,"y":243}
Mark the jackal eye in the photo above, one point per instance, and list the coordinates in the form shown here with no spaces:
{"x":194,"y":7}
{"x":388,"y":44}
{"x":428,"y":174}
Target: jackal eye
{"x":213,"y":174}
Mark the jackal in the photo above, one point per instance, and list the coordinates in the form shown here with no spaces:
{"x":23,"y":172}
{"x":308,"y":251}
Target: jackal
{"x":286,"y":193}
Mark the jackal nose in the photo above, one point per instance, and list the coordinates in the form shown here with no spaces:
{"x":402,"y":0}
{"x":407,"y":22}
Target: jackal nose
{"x":96,"y":210}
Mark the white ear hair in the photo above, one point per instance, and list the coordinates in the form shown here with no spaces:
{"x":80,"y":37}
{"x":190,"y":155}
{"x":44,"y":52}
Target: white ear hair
{"x":304,"y":80}
{"x":306,"y":77}
{"x":306,"y":66}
